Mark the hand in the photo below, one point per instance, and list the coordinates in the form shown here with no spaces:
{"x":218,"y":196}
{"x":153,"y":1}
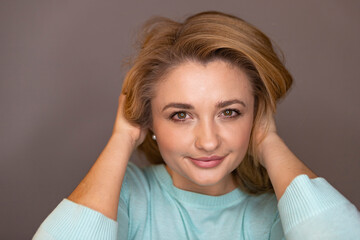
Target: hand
{"x":132,"y":132}
{"x":100,"y":188}
{"x":281,"y":164}
{"x":266,"y":135}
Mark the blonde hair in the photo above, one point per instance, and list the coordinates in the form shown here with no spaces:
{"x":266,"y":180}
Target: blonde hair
{"x":204,"y":37}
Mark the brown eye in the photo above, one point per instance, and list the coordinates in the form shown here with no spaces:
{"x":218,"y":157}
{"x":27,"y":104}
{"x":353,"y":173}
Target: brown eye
{"x":181,"y":115}
{"x":228,"y":113}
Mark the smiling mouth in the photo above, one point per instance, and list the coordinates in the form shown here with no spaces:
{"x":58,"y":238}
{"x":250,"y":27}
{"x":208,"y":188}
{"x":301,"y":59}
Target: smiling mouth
{"x":207,"y":162}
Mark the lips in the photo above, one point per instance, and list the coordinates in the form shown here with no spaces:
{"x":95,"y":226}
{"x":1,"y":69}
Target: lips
{"x":207,"y":162}
{"x":212,"y":158}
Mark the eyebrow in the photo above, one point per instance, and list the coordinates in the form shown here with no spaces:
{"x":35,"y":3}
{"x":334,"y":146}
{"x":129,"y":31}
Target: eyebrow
{"x":220,"y":104}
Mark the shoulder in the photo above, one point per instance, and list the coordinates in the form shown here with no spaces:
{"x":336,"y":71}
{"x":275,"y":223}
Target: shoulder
{"x":264,"y":202}
{"x":262,"y":213}
{"x":137,"y":180}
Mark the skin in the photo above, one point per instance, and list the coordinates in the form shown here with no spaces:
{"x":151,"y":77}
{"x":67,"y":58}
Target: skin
{"x":207,"y":132}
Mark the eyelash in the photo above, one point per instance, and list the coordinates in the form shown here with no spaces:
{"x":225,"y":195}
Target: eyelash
{"x":237,"y":114}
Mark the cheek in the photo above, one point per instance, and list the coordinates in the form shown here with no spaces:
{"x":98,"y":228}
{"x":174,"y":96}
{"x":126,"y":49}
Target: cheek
{"x":237,"y":136}
{"x":171,"y":140}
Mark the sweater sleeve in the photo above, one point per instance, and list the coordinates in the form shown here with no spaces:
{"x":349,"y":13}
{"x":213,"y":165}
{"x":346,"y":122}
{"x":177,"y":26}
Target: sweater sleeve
{"x":70,"y":220}
{"x":313,"y":209}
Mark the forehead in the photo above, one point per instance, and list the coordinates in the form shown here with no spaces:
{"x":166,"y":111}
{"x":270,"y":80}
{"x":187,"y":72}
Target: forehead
{"x":198,"y":83}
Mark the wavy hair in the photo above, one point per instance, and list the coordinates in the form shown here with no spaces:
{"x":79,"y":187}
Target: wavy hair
{"x":204,"y":37}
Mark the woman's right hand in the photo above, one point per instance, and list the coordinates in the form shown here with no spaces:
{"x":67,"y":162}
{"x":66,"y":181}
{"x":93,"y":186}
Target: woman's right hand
{"x":128,"y":131}
{"x":100,"y":188}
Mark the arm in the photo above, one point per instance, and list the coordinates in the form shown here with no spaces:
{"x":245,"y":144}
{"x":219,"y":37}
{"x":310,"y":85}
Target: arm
{"x":100,"y":189}
{"x":281,"y":164}
{"x":309,"y":207}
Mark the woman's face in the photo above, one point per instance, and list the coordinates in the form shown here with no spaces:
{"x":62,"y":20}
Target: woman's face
{"x":202,"y":118}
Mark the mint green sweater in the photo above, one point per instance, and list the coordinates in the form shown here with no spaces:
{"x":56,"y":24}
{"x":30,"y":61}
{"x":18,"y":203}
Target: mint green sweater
{"x":151,"y":207}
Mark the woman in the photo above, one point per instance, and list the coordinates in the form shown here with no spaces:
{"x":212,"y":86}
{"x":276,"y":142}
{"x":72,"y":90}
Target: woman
{"x":199,"y":101}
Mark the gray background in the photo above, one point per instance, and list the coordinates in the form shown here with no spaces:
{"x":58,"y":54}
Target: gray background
{"x":61,"y":73}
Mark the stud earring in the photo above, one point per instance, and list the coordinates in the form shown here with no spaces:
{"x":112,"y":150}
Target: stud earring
{"x":153,"y":137}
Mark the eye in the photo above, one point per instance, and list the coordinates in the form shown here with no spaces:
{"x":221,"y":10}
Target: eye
{"x":179,"y":116}
{"x":230,"y":113}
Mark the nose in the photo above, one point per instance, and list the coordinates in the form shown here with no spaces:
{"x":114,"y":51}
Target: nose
{"x":206,"y":136}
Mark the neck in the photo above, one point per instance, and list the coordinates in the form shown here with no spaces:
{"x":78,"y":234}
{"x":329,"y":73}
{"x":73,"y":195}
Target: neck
{"x":227,"y":185}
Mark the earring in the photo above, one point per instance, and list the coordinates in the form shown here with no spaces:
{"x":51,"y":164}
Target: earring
{"x":153,"y":137}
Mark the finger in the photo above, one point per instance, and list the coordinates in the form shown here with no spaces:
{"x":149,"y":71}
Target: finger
{"x":121,"y":105}
{"x":122,"y":98}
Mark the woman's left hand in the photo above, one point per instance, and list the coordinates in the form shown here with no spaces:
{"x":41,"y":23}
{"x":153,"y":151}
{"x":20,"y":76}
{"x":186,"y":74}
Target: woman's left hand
{"x":266,"y":135}
{"x":281,"y":164}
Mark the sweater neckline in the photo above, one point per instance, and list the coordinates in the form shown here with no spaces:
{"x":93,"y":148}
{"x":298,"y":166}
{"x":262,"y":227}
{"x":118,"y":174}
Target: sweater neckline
{"x":196,"y":199}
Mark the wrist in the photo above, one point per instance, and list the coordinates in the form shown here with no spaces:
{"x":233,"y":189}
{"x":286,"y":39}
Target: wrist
{"x":267,"y":146}
{"x":124,"y":140}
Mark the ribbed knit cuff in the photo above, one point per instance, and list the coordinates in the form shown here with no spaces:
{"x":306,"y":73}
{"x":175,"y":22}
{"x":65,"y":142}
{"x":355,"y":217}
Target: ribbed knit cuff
{"x":305,"y":198}
{"x":74,"y":221}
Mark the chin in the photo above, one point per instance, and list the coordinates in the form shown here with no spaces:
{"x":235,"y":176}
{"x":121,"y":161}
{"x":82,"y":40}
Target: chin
{"x":206,"y":181}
